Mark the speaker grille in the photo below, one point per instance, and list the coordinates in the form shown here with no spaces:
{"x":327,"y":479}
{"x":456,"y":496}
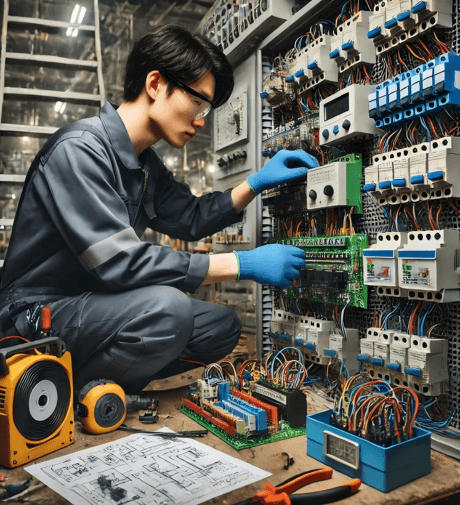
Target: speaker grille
{"x":2,"y":399}
{"x":29,"y":427}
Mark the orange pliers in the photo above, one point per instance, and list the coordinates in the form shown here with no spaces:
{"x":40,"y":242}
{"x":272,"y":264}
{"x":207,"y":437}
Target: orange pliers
{"x":279,"y":495}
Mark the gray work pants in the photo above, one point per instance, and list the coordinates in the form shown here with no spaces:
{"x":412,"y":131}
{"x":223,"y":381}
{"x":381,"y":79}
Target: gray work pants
{"x":134,"y":337}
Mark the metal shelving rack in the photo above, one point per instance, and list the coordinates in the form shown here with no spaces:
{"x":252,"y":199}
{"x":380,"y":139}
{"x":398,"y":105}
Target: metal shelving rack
{"x":45,"y":61}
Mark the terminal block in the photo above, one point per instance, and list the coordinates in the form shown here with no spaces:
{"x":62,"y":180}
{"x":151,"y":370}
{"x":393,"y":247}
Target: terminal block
{"x":425,"y":89}
{"x":350,"y":47}
{"x":336,"y":184}
{"x":345,"y":349}
{"x":343,"y":115}
{"x":381,"y":263}
{"x":429,"y":265}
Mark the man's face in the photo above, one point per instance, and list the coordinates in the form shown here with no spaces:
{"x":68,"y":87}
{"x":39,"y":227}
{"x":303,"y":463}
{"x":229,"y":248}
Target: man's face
{"x":174,"y":115}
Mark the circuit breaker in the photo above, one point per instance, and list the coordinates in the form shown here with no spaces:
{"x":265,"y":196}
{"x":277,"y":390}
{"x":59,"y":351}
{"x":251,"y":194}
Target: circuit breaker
{"x":429,"y":265}
{"x":381,"y":263}
{"x":345,"y":349}
{"x":318,"y":340}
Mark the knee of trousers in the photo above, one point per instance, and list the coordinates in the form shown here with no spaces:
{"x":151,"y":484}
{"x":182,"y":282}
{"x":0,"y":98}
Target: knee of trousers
{"x":230,"y":330}
{"x":162,"y":328}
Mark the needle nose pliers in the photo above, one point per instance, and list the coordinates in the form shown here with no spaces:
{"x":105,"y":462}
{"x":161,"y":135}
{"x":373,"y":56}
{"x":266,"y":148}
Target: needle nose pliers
{"x":279,"y":495}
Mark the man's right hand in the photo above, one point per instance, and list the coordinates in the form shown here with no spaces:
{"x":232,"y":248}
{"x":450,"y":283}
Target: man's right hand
{"x":271,"y":264}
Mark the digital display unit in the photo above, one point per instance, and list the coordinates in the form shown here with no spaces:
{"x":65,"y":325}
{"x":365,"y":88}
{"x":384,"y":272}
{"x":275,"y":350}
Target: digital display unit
{"x":337,"y":107}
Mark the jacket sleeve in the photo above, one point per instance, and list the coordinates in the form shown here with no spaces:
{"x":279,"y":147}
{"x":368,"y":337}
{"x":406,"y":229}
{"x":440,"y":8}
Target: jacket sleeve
{"x":76,"y":184}
{"x":182,"y":215}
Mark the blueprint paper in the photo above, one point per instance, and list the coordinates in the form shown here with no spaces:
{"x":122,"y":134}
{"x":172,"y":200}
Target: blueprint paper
{"x":153,"y":470}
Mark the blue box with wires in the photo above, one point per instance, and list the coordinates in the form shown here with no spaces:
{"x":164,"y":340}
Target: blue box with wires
{"x":384,"y":468}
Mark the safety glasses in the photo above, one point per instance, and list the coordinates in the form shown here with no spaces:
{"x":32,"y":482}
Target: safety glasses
{"x":200,"y":108}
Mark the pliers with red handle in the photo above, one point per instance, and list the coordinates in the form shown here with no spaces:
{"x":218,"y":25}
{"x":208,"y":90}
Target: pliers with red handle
{"x":279,"y":495}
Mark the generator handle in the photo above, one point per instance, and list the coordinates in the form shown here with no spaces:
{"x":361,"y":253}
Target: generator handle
{"x":55,"y":344}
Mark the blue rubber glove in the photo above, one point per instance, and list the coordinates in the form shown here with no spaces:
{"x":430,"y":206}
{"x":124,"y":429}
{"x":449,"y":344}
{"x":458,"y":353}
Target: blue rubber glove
{"x":285,"y":166}
{"x":271,"y":264}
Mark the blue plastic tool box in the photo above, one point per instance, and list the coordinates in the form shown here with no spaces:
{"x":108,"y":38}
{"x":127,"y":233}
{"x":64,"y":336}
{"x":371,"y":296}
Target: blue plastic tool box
{"x":384,"y":468}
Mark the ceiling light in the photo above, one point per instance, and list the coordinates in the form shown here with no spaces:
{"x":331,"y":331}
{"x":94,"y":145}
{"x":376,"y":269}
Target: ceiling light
{"x":58,"y":106}
{"x":69,"y":31}
{"x":61,"y":110}
{"x":75,"y":32}
{"x":82,"y":14}
{"x":73,"y":18}
{"x":211,"y":168}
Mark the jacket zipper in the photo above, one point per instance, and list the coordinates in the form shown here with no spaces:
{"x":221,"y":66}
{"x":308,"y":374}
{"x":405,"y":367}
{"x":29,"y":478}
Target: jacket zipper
{"x":146,"y":178}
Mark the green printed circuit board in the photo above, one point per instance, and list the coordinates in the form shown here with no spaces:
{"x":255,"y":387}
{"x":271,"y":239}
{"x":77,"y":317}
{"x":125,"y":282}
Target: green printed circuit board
{"x":333,"y":269}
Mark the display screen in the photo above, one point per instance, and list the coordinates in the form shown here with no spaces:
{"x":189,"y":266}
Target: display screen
{"x":341,"y":449}
{"x":336,"y":107}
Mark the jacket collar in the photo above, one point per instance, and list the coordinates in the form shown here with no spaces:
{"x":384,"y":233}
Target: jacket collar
{"x":118,"y":135}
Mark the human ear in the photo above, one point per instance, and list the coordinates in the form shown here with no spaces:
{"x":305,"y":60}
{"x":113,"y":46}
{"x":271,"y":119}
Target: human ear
{"x":151,"y":83}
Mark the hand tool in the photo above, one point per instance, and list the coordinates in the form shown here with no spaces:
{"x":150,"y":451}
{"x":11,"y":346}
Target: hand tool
{"x":279,"y":495}
{"x":167,"y":434}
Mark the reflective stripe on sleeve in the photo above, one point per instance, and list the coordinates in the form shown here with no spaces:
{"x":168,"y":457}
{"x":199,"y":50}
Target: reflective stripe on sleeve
{"x":102,"y":251}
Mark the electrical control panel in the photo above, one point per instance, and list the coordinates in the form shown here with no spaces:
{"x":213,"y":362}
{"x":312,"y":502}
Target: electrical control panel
{"x":336,"y":184}
{"x":344,"y":116}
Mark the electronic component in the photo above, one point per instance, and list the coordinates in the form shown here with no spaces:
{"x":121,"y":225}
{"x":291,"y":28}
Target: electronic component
{"x":425,"y":89}
{"x":343,"y":115}
{"x":336,"y":184}
{"x":291,"y":405}
{"x":381,"y":263}
{"x":427,"y":365}
{"x":333,"y":269}
{"x":317,"y":340}
{"x":428,"y":265}
{"x":345,"y":348}
{"x":350,"y":46}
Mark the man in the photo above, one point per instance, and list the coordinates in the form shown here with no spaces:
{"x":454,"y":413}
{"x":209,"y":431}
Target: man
{"x":118,"y":303}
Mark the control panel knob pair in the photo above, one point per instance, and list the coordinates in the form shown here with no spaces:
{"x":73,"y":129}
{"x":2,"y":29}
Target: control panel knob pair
{"x":328,"y":191}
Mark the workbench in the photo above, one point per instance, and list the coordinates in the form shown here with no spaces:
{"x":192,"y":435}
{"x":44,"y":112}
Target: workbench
{"x":439,"y":487}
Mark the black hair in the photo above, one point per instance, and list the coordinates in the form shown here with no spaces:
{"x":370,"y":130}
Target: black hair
{"x":180,"y":55}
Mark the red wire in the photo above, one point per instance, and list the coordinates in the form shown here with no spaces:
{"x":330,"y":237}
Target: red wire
{"x":14,"y":336}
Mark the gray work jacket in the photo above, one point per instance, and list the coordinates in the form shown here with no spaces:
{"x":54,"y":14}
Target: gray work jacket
{"x":84,"y":206}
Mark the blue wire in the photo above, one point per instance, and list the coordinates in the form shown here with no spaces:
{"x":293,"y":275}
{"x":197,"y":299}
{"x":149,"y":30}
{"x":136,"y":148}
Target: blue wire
{"x":428,"y":135}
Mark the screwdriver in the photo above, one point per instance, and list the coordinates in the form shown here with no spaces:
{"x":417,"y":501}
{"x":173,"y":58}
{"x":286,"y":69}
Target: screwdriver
{"x":167,"y":434}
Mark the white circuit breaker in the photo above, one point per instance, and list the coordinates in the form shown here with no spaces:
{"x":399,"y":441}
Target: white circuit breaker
{"x":345,"y":349}
{"x":318,"y":340}
{"x":351,"y":46}
{"x":345,"y":115}
{"x":443,"y":174}
{"x":427,"y":365}
{"x":398,"y":358}
{"x":367,"y":343}
{"x":429,"y":265}
{"x":381,"y":263}
{"x":283,"y":327}
{"x":313,"y":64}
{"x":301,"y":331}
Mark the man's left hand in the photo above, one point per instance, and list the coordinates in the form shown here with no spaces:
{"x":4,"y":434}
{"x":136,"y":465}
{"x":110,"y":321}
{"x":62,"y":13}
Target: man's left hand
{"x":285,"y":166}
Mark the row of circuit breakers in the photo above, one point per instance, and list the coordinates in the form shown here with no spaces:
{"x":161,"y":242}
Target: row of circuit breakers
{"x":406,"y":360}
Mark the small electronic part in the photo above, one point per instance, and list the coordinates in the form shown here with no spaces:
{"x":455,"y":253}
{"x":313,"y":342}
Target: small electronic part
{"x":291,"y":405}
{"x":398,"y":357}
{"x":443,"y":174}
{"x":283,"y":328}
{"x":343,"y":115}
{"x":366,"y":345}
{"x":381,"y":263}
{"x":428,"y":265}
{"x":333,"y":269}
{"x":336,"y":184}
{"x":318,"y":340}
{"x":350,"y":46}
{"x":425,"y":89}
{"x":345,"y":348}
